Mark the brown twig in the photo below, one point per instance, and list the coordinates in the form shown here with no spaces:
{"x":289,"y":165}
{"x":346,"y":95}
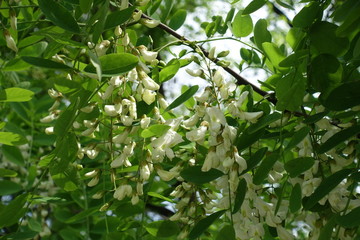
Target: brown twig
{"x":239,"y":79}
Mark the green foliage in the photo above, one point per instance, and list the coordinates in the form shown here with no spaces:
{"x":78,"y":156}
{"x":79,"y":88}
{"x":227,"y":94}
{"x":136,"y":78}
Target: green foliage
{"x":97,"y":144}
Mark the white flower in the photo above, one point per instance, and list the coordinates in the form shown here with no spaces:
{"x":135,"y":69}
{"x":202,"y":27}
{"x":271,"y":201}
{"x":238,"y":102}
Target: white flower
{"x":142,"y":2}
{"x":10,"y":42}
{"x":144,"y":122}
{"x":166,"y":175}
{"x":54,"y":94}
{"x":88,"y":109}
{"x":148,"y":56}
{"x":13,"y":19}
{"x":121,"y":137}
{"x":197,"y":135}
{"x":132,"y":75}
{"x":93,"y":182}
{"x":100,"y":48}
{"x":212,"y":52}
{"x":49,"y":130}
{"x":137,"y":15}
{"x":148,"y":96}
{"x":163,"y":103}
{"x":127,"y":120}
{"x":150,"y":23}
{"x":148,"y":82}
{"x":92,"y":153}
{"x":108,"y":92}
{"x":123,"y":191}
{"x":227,"y":89}
{"x":194,"y":73}
{"x":218,"y":78}
{"x":208,"y":163}
{"x":205,"y":96}
{"x":168,"y":140}
{"x":240,"y":161}
{"x":216,"y":118}
{"x":92,"y":173}
{"x":48,"y":118}
{"x":145,"y":172}
{"x":251,"y":116}
{"x":135,"y":199}
{"x":98,"y":195}
{"x":118,"y":31}
{"x":113,"y":110}
{"x":126,"y":39}
{"x":192,"y":121}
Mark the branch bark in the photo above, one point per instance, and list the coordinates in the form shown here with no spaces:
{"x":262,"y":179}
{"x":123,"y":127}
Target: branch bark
{"x":239,"y":79}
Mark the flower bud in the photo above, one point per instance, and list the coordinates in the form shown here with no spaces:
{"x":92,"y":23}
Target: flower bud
{"x":92,"y":173}
{"x":13,"y":19}
{"x":10,"y":42}
{"x":150,"y":23}
{"x":118,"y":31}
{"x":148,"y":96}
{"x":223,"y":54}
{"x":137,"y":15}
{"x":212,"y":53}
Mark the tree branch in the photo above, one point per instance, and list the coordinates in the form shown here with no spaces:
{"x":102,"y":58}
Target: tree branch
{"x":239,"y":79}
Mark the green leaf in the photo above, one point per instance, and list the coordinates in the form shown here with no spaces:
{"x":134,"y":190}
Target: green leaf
{"x":11,"y":139}
{"x":349,"y":220}
{"x":34,"y":50}
{"x":162,"y":229}
{"x":326,"y":231}
{"x":299,"y":165}
{"x":65,"y":85}
{"x":242,"y":25}
{"x":118,"y":17}
{"x":13,"y":154}
{"x":34,"y":225}
{"x":290,"y":91}
{"x":307,"y":15}
{"x":240,"y":195}
{"x":274,"y":55}
{"x":114,"y":64}
{"x":7,"y":173}
{"x":59,"y":15}
{"x":82,"y":215}
{"x":85,"y":5}
{"x":342,"y":97}
{"x":155,"y":130}
{"x":246,"y":139}
{"x":22,"y":235}
{"x":295,"y":198}
{"x":178,"y":19}
{"x":204,"y":224}
{"x":157,"y":195}
{"x":323,"y":38}
{"x":227,"y":232}
{"x":325,"y":187}
{"x":183,"y":97}
{"x":294,"y":37}
{"x":195,"y":175}
{"x":264,"y":122}
{"x":100,"y":21}
{"x":261,"y":34}
{"x":339,"y":138}
{"x":15,"y":94}
{"x":298,"y":137}
{"x":45,"y":63}
{"x":169,"y":71}
{"x":10,"y":214}
{"x":315,"y":118}
{"x":263,"y":170}
{"x":295,"y":59}
{"x":66,"y":119}
{"x":255,"y":159}
{"x":9,"y":187}
{"x":325,"y":72}
{"x":253,"y":6}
